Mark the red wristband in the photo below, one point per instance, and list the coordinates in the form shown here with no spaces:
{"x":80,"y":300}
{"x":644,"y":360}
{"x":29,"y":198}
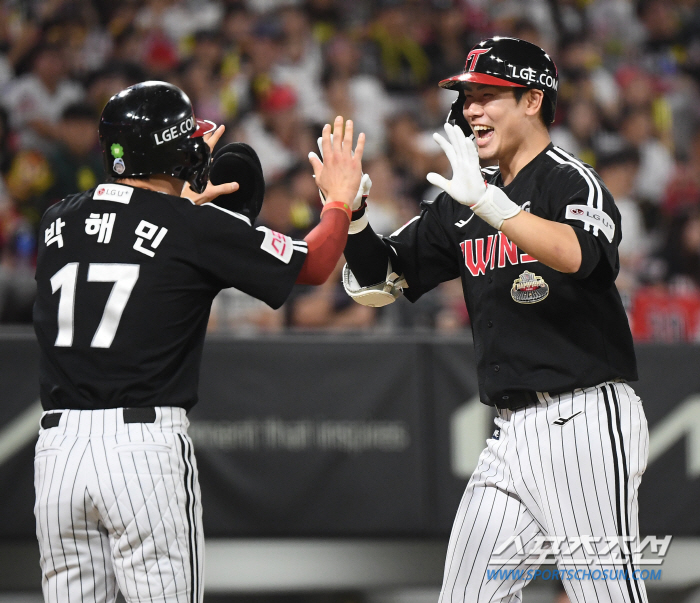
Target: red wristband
{"x":338,"y":205}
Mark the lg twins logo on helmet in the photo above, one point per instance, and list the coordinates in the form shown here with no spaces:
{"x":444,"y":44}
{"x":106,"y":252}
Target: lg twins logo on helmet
{"x":473,"y":57}
{"x":185,"y":127}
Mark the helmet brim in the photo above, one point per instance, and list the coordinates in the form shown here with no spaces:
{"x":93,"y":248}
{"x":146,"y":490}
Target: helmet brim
{"x":457,"y":82}
{"x":204,"y":126}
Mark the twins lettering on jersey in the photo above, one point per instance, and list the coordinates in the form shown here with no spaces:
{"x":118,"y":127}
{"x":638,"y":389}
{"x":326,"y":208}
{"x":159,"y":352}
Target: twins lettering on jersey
{"x":482,"y":253}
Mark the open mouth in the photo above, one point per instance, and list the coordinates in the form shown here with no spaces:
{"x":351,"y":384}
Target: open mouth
{"x":482,"y":134}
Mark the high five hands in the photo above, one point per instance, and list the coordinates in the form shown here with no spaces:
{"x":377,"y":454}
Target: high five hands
{"x":339,"y":175}
{"x":365,"y":183}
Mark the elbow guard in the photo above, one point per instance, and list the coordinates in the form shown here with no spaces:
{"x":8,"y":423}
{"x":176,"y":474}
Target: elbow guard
{"x":374,"y":296}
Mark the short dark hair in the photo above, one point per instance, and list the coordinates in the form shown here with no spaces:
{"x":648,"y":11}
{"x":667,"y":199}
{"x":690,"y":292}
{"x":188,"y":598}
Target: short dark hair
{"x":545,"y":111}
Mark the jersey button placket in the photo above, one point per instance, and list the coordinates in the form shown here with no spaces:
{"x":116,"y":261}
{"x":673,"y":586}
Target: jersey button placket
{"x":496,"y":368}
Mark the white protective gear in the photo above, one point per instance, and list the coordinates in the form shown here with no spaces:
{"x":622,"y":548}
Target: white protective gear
{"x":467,"y":186}
{"x":358,"y":225}
{"x":374,"y":296}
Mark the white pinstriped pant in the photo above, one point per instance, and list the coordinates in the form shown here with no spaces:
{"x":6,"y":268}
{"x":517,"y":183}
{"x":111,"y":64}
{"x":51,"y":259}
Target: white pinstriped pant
{"x":118,"y":505}
{"x":576,"y":478}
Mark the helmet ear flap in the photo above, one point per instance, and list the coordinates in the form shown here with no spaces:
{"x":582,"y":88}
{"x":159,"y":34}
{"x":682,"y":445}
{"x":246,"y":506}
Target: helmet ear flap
{"x":456,"y":114}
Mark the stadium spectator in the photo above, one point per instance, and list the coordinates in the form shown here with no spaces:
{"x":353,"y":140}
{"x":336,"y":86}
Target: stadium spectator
{"x":177,"y":19}
{"x":580,"y":133}
{"x":656,"y":161}
{"x":394,"y":52}
{"x":301,"y":66}
{"x":36,"y":99}
{"x":450,"y":42}
{"x":39,"y":179}
{"x":275,"y":131}
{"x":619,"y":169}
{"x":683,"y":190}
{"x":359,"y":95}
{"x":681,"y":251}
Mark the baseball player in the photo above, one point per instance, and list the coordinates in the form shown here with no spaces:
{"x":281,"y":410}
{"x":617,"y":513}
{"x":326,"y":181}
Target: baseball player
{"x":534,"y":241}
{"x":126,"y":274}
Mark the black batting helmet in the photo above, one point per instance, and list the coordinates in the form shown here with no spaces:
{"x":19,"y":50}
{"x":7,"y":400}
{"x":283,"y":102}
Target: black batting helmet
{"x":150,"y":128}
{"x":506,"y":62}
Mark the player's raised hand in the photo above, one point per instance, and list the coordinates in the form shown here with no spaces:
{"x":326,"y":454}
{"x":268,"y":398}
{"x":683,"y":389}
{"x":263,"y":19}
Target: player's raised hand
{"x":214,"y":135}
{"x":212,"y":191}
{"x":365,"y":182}
{"x":467,"y":184}
{"x":340,"y":174}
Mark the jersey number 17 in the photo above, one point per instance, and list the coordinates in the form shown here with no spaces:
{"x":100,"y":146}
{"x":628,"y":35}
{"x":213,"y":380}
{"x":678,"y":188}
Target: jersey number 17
{"x":124,"y":277}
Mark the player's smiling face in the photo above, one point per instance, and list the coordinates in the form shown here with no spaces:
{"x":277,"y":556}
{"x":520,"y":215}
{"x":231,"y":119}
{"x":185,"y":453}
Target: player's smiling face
{"x":495,"y":118}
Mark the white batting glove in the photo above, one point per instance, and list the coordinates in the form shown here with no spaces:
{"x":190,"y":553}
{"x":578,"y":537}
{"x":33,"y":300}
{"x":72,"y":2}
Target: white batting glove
{"x":362,"y":192}
{"x":467,"y":186}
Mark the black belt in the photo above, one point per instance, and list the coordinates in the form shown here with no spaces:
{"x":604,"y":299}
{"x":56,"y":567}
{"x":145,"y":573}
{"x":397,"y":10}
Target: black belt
{"x":130,"y":415}
{"x":515,"y":400}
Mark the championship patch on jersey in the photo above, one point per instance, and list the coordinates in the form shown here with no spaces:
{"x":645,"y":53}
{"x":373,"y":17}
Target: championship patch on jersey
{"x":594,"y":217}
{"x":277,"y":244}
{"x":529,"y":288}
{"x":114,"y":192}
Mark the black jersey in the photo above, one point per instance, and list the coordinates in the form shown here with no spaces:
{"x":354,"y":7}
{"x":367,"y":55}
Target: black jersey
{"x":535,"y":329}
{"x":125,"y":280}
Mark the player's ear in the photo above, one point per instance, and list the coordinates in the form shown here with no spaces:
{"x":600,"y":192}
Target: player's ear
{"x":533,"y":101}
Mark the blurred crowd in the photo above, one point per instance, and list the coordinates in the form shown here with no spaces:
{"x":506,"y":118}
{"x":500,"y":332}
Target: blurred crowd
{"x":275,"y":71}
